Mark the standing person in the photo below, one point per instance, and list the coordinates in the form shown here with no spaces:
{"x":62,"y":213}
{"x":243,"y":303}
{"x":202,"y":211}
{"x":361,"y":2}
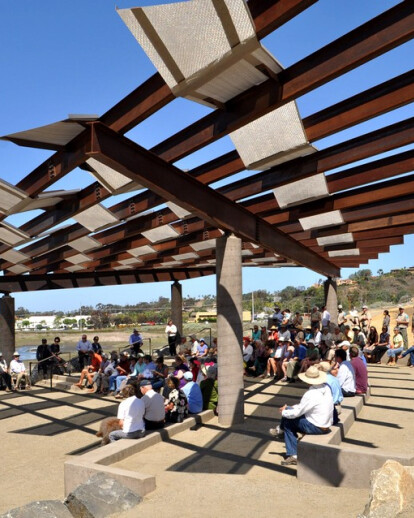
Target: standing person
{"x":341,"y":318}
{"x":313,"y":415}
{"x":131,"y":417}
{"x":42,"y":355}
{"x":365,"y":320}
{"x":402,"y":323}
{"x":171,"y":332}
{"x":326,"y":317}
{"x":83,"y":347}
{"x":386,"y":320}
{"x":4,"y":373}
{"x":135,"y":341}
{"x":96,"y":346}
{"x":18,"y":369}
{"x":316,"y":317}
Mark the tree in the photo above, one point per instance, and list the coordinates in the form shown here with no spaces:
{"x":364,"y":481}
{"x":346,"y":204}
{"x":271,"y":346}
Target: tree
{"x":26,"y":323}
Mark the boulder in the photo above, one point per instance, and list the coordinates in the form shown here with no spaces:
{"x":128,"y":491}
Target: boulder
{"x":392,"y":492}
{"x":45,"y":509}
{"x":99,"y":497}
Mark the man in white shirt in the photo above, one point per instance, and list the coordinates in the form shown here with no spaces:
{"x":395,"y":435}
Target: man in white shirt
{"x":345,"y":373}
{"x":18,"y":369}
{"x":171,"y":332}
{"x":326,"y":317}
{"x":154,"y":416}
{"x":402,"y":323}
{"x":313,"y":415}
{"x":130,"y":415}
{"x":83,"y":347}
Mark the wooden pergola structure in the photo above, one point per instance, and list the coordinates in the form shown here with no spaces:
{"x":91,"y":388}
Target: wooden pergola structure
{"x":334,"y":220}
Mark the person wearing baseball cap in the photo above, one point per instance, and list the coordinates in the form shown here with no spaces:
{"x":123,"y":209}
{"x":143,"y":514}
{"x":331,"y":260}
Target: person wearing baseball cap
{"x":313,"y":415}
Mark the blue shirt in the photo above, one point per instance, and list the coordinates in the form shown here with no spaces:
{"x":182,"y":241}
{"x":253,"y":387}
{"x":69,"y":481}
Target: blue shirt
{"x":194,"y":397}
{"x":301,"y":352}
{"x":335,"y":387}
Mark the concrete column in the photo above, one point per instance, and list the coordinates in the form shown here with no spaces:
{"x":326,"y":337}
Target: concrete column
{"x":331,"y":299}
{"x":229,"y":330}
{"x":7,"y":321}
{"x":177,"y":306}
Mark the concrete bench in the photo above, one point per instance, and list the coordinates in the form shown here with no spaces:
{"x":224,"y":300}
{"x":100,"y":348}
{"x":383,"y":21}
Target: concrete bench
{"x":79,"y":469}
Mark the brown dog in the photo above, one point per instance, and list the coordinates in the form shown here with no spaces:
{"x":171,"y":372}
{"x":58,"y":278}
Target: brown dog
{"x":107,"y":426}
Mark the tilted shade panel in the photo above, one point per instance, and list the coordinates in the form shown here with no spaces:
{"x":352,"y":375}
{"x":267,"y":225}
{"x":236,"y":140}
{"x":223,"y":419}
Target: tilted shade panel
{"x":14,"y":256}
{"x":78,"y":258}
{"x":343,"y":253}
{"x":19,"y":268}
{"x":131,"y":260}
{"x":160,"y":233}
{"x":56,"y":134}
{"x":74,"y":268}
{"x":203,"y":245}
{"x":301,"y":191}
{"x":141,"y":250}
{"x":174,"y":35}
{"x":10,"y":196}
{"x":96,"y":217}
{"x":183,"y":257}
{"x":272,"y":139}
{"x":11,"y":235}
{"x":327,"y":219}
{"x":115,"y":182}
{"x":178,"y":211}
{"x":85,"y":243}
{"x":336,"y":239}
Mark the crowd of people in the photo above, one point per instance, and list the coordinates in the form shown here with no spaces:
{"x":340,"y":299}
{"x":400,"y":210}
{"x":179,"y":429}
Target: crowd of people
{"x":331,"y":358}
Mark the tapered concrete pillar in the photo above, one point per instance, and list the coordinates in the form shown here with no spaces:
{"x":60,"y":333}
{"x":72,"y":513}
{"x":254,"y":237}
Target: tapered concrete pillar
{"x":177,"y":306}
{"x":229,"y":330}
{"x":7,"y":321}
{"x":331,"y":299}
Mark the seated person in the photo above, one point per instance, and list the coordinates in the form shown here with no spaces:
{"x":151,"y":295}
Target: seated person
{"x":333,"y":384}
{"x":202,"y":349}
{"x":295,"y":362}
{"x":98,"y":376}
{"x":176,"y":405}
{"x":180,"y":368}
{"x":122,"y":379}
{"x":209,"y":389}
{"x":90,"y":370}
{"x":130,"y":415}
{"x":121,"y":369}
{"x":193,"y":394}
{"x":160,"y":373}
{"x":382,"y":346}
{"x":396,"y":347}
{"x":247,"y":352}
{"x":154,"y":416}
{"x":409,"y":351}
{"x":345,"y":374}
{"x":4,"y":374}
{"x":313,"y":415}
{"x":360,"y":369}
{"x":18,"y":370}
{"x":312,"y":356}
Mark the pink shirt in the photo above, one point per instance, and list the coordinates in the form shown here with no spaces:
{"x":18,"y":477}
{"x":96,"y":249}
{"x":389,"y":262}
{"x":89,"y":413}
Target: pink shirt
{"x":361,"y":375}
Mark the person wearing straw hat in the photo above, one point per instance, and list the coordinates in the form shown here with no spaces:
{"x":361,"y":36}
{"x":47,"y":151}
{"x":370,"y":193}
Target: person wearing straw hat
{"x":18,"y":371}
{"x":313,"y":415}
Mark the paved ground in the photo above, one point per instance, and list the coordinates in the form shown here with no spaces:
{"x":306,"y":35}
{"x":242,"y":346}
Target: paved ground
{"x":235,"y":471}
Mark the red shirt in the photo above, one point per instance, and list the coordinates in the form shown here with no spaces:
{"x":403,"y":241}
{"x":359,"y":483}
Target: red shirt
{"x":96,"y":361}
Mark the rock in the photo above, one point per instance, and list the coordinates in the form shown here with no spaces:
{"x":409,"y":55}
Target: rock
{"x":99,"y":497}
{"x":392,"y":492}
{"x":45,"y":509}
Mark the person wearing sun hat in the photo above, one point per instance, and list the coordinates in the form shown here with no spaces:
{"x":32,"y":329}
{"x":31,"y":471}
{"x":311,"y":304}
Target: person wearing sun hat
{"x":313,"y":415}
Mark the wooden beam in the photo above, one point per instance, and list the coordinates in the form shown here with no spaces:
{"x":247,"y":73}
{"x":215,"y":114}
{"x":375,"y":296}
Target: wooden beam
{"x":168,"y":181}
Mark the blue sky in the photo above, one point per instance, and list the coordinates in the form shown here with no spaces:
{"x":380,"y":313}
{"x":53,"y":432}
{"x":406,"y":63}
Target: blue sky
{"x":59,"y":58}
